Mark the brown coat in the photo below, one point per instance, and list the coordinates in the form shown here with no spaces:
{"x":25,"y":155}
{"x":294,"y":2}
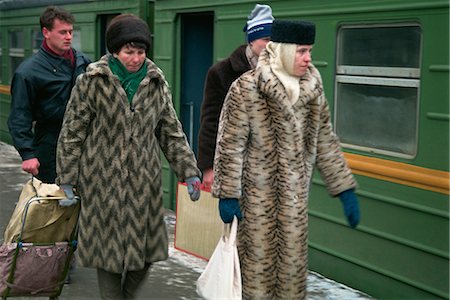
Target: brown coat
{"x":266,"y":152}
{"x":218,"y":80}
{"x":110,"y":150}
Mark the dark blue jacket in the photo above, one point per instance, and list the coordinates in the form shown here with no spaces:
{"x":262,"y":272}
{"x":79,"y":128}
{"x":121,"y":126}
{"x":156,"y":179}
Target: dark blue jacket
{"x":40,"y":90}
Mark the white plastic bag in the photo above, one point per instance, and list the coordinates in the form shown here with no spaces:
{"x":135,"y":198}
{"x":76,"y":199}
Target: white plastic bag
{"x":221,"y":278}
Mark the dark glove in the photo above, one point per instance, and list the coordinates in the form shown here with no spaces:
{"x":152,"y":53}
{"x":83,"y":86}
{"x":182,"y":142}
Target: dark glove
{"x":193,"y":186}
{"x":70,"y":197}
{"x":228,"y":208}
{"x":351,"y":207}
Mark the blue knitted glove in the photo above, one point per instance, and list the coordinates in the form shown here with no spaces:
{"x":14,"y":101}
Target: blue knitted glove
{"x":228,"y":208}
{"x":70,"y":197}
{"x":351,"y":207}
{"x":193,"y":186}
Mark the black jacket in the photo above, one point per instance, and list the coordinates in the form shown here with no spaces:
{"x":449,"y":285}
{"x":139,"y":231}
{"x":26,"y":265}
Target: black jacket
{"x":218,"y":80}
{"x":40,"y":90}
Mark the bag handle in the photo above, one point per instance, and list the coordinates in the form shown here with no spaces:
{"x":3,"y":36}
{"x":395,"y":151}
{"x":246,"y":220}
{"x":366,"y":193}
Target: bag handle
{"x":230,"y":232}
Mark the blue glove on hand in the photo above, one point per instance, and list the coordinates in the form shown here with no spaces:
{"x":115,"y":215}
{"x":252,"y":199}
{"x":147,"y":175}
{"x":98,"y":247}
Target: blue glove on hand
{"x":70,"y":197}
{"x":228,"y":208}
{"x":193,"y":186}
{"x":351,"y":207}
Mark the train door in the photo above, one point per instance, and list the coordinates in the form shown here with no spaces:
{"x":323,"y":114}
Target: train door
{"x":102,"y":24}
{"x":196,"y":58}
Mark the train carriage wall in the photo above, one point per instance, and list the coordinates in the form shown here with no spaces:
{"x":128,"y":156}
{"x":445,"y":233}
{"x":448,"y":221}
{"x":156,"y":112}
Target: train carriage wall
{"x":400,"y":250}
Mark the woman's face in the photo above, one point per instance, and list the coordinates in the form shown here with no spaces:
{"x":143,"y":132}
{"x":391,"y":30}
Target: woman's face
{"x":302,"y":59}
{"x":131,"y":57}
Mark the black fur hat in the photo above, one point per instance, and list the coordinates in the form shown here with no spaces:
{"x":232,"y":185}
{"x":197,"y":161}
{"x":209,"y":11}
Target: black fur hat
{"x":124,"y":29}
{"x":293,"y":32}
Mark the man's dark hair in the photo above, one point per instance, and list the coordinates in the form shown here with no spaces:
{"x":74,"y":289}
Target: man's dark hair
{"x":53,"y":12}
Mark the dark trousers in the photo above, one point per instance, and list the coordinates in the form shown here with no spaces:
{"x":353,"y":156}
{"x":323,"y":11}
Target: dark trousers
{"x":115,"y":286}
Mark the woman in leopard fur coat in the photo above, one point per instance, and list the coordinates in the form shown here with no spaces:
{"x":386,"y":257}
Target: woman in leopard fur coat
{"x":274,"y":129}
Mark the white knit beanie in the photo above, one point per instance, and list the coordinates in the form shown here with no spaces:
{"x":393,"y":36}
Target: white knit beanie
{"x":259,"y":22}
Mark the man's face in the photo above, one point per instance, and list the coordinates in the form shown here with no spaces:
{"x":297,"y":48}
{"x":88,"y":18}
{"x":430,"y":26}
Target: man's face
{"x":258,"y":45}
{"x":59,"y":39}
{"x":302,"y":59}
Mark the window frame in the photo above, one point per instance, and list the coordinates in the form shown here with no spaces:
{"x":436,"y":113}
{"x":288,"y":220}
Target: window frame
{"x":380,"y":76}
{"x":15,"y":52}
{"x":33,"y":39}
{"x":2,"y":43}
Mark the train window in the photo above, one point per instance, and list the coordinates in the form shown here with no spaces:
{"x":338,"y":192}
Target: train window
{"x":377,"y":88}
{"x":1,"y":58}
{"x":380,"y":47}
{"x":76,"y":39}
{"x":16,"y":49}
{"x":38,"y":38}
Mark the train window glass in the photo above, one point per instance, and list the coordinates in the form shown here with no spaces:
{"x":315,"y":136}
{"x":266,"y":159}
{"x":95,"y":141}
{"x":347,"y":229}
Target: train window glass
{"x":38,"y":38}
{"x":381,"y":46}
{"x":377,"y":88}
{"x":16,"y":39}
{"x":389,"y":112}
{"x":1,"y":58}
{"x":76,"y":40}
{"x":16,"y":49}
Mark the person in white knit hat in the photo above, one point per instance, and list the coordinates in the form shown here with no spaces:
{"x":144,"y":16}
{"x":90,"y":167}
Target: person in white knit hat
{"x":219,"y":78}
{"x":274,"y":130}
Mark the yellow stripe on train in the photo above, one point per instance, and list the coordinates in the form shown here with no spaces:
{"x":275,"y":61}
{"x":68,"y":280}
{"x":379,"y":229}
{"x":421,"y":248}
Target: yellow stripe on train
{"x":427,"y":179}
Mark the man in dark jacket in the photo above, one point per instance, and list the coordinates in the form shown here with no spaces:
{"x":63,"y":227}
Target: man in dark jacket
{"x":40,"y":90}
{"x":219,"y":78}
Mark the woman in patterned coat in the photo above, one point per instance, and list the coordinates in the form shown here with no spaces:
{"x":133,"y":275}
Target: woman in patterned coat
{"x":274,"y":129}
{"x":118,"y":118}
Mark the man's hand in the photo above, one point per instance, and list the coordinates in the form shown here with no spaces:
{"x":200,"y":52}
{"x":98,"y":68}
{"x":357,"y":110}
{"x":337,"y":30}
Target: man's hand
{"x":31,"y":166}
{"x":208,"y":178}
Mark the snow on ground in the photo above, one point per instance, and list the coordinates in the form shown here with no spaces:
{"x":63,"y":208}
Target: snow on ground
{"x":318,"y":286}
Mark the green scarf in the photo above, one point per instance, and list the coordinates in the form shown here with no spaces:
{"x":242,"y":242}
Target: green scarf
{"x":129,"y":81}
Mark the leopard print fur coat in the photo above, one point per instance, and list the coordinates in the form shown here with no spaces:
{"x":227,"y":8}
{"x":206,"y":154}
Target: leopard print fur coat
{"x":266,"y":151}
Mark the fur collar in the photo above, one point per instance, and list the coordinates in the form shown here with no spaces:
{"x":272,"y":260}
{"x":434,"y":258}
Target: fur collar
{"x":270,"y":85}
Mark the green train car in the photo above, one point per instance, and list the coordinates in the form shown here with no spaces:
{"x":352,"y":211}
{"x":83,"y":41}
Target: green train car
{"x":385,"y":68}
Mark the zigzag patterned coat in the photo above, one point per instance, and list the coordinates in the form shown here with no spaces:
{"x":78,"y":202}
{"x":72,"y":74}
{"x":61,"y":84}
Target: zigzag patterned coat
{"x":110,"y":150}
{"x":265,"y":154}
